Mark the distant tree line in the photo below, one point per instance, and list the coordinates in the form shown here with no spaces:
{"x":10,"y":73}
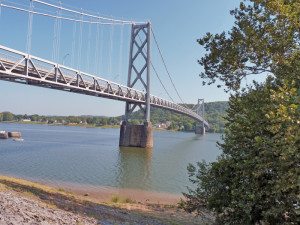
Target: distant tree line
{"x":65,"y":120}
{"x":215,"y":113}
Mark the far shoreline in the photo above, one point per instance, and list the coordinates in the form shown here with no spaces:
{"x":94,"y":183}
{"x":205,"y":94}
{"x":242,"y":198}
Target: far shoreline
{"x":91,"y":126}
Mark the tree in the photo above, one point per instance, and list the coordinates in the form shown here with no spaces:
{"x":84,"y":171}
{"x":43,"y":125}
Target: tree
{"x":262,"y":40}
{"x":7,"y":116}
{"x":256,"y":179}
{"x":34,"y":117}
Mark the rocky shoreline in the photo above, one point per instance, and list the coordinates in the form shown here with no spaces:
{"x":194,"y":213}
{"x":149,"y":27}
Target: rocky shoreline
{"x":25,"y":202}
{"x":16,"y":209}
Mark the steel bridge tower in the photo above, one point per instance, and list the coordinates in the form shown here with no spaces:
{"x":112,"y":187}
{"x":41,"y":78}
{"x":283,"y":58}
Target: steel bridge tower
{"x":138,"y":74}
{"x":200,"y":110}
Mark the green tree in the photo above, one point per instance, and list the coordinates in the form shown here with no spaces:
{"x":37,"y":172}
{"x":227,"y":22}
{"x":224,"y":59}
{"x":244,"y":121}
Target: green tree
{"x":262,"y":40}
{"x":256,"y":179}
{"x":188,"y":126}
{"x":7,"y":116}
{"x":34,"y":117}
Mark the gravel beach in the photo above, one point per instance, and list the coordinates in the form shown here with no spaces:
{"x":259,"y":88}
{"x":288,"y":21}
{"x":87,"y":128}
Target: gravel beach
{"x":16,"y":210}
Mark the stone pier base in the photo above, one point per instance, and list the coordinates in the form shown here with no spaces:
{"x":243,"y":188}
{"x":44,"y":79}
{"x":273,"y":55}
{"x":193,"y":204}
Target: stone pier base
{"x":200,"y":130}
{"x":136,"y":135}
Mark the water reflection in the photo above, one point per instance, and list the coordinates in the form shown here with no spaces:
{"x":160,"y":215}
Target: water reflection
{"x":135,"y":166}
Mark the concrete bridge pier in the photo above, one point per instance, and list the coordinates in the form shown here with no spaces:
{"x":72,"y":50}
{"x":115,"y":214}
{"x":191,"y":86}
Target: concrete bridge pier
{"x":132,"y":135}
{"x":200,"y":129}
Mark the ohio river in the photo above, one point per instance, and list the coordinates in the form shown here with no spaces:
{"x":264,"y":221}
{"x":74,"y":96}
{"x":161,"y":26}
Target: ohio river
{"x":92,"y":157}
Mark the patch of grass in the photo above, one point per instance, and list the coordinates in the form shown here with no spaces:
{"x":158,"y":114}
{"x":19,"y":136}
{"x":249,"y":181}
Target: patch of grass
{"x":170,"y":206}
{"x":181,"y":204}
{"x":129,"y":200}
{"x":118,"y":199}
{"x":115,"y":199}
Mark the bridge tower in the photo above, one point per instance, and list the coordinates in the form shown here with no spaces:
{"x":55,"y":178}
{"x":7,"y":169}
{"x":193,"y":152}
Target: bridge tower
{"x":132,"y":135}
{"x":199,"y":109}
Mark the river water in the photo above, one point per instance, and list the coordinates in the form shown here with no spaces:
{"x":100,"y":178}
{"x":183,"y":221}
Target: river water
{"x":92,"y":157}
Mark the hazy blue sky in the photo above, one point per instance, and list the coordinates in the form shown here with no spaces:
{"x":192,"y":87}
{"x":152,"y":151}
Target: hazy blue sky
{"x":176,"y":23}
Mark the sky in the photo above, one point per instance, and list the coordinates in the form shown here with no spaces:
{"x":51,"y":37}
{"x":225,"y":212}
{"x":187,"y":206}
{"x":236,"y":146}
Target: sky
{"x":177,"y":25}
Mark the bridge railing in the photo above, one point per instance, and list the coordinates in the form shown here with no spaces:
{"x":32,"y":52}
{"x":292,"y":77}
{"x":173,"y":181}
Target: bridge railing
{"x":20,"y":67}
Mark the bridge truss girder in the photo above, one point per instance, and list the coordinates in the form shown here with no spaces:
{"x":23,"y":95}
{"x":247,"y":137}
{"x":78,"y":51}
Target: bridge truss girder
{"x":20,"y":67}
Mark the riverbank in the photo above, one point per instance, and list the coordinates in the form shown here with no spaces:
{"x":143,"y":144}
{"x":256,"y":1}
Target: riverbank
{"x":31,"y":202}
{"x":61,"y":124}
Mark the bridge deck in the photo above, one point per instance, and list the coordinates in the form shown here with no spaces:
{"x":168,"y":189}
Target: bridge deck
{"x":16,"y":66}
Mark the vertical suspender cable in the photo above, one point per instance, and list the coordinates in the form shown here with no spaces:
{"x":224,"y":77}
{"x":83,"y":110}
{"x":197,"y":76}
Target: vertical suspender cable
{"x":89,"y":47}
{"x":80,"y":45}
{"x":110,"y":49}
{"x":97,"y":49}
{"x":101,"y":48}
{"x":127,"y":47}
{"x":29,"y":29}
{"x":58,"y":35}
{"x":53,"y":41}
{"x":0,"y":8}
{"x":73,"y":45}
{"x":121,"y":52}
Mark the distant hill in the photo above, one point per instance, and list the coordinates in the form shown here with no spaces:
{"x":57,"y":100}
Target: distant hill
{"x":214,"y":114}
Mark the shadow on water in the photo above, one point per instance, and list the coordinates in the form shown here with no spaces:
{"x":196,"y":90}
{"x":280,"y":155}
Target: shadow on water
{"x":135,"y":166}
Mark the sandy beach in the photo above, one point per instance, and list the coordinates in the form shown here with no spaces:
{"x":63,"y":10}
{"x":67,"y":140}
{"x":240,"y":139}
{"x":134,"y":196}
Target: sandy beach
{"x":105,"y":194}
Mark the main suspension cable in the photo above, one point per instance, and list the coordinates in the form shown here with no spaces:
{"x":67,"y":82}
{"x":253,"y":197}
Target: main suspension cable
{"x":88,"y":15}
{"x":55,"y":16}
{"x":166,"y":68}
{"x":156,"y":73}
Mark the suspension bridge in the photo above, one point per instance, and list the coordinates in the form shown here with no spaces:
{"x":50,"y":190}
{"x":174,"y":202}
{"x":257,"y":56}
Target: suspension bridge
{"x":25,"y":68}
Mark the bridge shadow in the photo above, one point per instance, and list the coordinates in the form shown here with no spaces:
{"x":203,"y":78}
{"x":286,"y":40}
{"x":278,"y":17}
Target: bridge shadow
{"x":135,"y":165}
